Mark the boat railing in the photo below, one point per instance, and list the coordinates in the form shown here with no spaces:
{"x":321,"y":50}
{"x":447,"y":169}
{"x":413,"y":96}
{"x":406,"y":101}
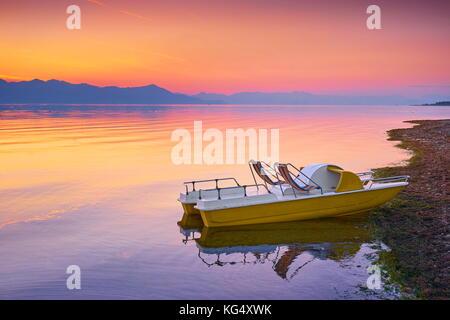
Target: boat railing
{"x":189,"y":237}
{"x":244,"y":187}
{"x":388,"y":180}
{"x":194,"y":182}
{"x":304,"y":176}
{"x":367,"y":173}
{"x":259,"y":258}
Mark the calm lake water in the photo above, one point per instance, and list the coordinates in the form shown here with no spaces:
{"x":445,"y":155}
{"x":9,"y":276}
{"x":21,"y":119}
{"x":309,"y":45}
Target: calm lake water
{"x":95,"y":186}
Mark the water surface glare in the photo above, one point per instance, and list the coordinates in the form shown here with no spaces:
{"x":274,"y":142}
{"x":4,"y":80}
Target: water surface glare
{"x":95,"y":186}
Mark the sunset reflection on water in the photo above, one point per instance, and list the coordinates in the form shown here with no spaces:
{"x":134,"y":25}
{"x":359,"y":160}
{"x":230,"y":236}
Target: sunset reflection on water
{"x":100,"y":179}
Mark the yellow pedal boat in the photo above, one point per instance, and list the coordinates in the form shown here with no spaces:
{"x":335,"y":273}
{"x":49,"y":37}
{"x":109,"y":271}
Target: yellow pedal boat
{"x":315,"y":191}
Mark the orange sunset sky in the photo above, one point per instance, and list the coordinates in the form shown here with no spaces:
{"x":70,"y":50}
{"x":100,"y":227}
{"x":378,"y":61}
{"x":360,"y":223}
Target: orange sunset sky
{"x":229,"y":46}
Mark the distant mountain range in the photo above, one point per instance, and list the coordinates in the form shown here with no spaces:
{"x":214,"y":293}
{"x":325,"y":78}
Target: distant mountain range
{"x":303,"y":98}
{"x":439,"y":103}
{"x":55,"y":91}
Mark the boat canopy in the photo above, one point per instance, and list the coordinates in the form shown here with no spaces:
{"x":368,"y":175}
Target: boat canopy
{"x":348,"y":181}
{"x":330,"y":177}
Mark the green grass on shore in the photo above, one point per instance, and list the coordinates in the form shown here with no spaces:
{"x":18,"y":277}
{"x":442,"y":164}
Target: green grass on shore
{"x":406,"y":225}
{"x":396,"y":224}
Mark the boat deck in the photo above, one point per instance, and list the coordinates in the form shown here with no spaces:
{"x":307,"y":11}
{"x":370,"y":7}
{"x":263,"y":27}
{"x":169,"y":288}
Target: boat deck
{"x":211,"y":201}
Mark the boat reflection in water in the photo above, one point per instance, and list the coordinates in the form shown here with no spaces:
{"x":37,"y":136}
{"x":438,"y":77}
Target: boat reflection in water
{"x":288,"y":246}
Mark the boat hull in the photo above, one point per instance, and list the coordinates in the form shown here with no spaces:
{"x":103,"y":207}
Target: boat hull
{"x":331,"y":230}
{"x":189,"y":208}
{"x":338,"y":204}
{"x":191,"y":222}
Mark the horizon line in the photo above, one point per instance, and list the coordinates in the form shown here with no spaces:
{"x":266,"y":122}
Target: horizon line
{"x":14,"y":79}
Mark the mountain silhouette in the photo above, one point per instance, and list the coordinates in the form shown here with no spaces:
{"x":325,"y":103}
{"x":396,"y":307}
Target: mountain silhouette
{"x":55,"y":91}
{"x":304,"y":98}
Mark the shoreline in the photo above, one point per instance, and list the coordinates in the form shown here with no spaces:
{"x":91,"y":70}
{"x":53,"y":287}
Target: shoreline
{"x":415,"y":225}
